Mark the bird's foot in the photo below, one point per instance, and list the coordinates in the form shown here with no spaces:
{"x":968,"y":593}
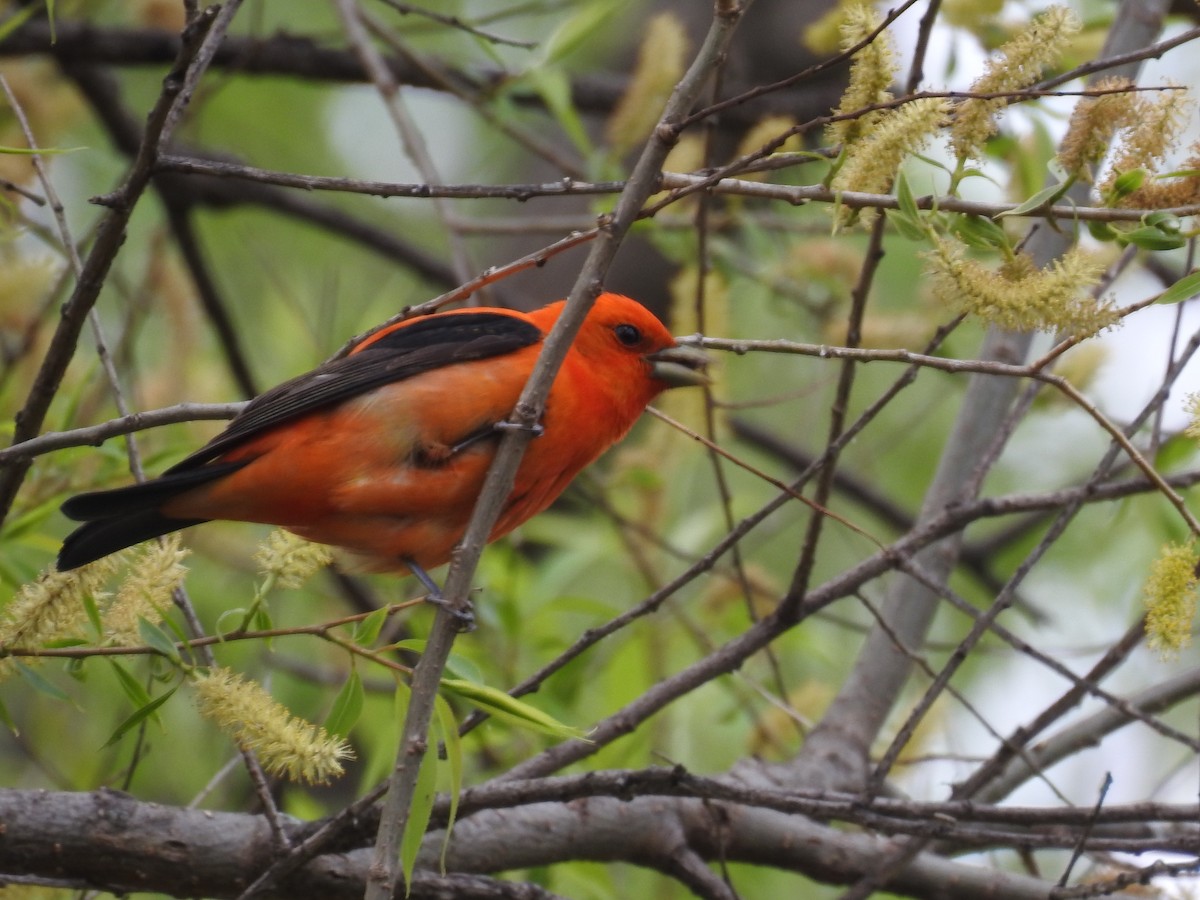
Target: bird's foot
{"x":536,"y":429}
{"x":464,"y":616}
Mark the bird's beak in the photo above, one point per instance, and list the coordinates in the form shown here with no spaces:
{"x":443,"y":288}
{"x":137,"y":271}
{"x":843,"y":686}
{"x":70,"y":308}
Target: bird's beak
{"x":679,"y":366}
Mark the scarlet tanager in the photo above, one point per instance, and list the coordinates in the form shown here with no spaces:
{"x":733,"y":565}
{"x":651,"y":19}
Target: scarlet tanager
{"x":384,"y":451}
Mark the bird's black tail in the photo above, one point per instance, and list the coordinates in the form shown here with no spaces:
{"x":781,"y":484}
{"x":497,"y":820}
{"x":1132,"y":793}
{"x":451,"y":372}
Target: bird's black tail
{"x":93,"y":540}
{"x":116,"y":519}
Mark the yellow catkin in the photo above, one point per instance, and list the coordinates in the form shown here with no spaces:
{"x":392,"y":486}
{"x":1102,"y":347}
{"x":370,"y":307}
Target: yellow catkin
{"x":1170,"y":598}
{"x":285,"y":745}
{"x":147,"y":591}
{"x":291,"y":559}
{"x":1146,"y":147}
{"x":52,"y":607}
{"x":871,"y":164}
{"x":1017,"y":65}
{"x":1019,"y":296}
{"x":1158,"y":120}
{"x":659,"y":66}
{"x":1192,"y":405}
{"x":1094,"y":122}
{"x":872,"y":72}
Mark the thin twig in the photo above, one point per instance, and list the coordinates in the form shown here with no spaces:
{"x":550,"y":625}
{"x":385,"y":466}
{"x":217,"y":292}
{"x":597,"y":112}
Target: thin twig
{"x":502,"y":472}
{"x":354,"y":23}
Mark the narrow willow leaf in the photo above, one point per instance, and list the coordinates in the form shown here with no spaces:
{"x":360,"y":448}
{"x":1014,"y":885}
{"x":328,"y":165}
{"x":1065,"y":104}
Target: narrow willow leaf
{"x":19,"y":18}
{"x":133,"y":689}
{"x":447,"y":728}
{"x":158,"y":639}
{"x":419,"y":815}
{"x":40,"y":151}
{"x":1174,"y":451}
{"x":1044,"y":197}
{"x":908,"y":228}
{"x":980,"y":232}
{"x":1185,"y":288}
{"x":461,"y":667}
{"x":347,"y":706}
{"x":499,"y":704}
{"x":139,"y":716}
{"x":239,"y":613}
{"x":7,"y":719}
{"x":38,"y":683}
{"x":93,"y":613}
{"x":576,"y":30}
{"x":554,"y":88}
{"x":1151,"y":238}
{"x":904,"y":196}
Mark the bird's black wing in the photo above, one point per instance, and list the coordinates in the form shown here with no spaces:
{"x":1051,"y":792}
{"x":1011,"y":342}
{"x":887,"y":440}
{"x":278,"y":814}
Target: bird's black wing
{"x":422,"y":346}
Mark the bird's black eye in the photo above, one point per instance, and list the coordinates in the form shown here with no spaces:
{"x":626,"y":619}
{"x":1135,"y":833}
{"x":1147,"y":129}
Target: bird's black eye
{"x":629,"y":335}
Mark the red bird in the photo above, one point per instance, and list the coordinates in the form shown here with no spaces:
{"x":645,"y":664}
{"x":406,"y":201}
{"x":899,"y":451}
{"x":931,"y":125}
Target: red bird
{"x":384,"y":452}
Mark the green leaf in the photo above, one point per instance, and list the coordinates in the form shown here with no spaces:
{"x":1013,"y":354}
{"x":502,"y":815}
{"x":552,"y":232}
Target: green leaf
{"x":980,"y":232}
{"x":554,"y":87}
{"x":419,"y":814}
{"x":133,"y":688}
{"x":261,"y":620}
{"x":158,"y":639}
{"x":1128,"y":182}
{"x":1102,"y":231}
{"x":1044,"y":197}
{"x":458,"y":666}
{"x":7,"y":719}
{"x":447,"y":729}
{"x":93,"y":614}
{"x":907,"y":218}
{"x":38,"y":683}
{"x":19,"y":18}
{"x":40,"y":151}
{"x":1149,"y":238}
{"x":499,"y":704}
{"x":1180,"y":173}
{"x":577,"y":30}
{"x":904,"y":196}
{"x":367,"y":631}
{"x":1164,"y":221}
{"x":907,"y":227}
{"x":139,"y":716}
{"x":1184,"y":289}
{"x":240,"y":613}
{"x":347,"y":706}
{"x":1174,"y":451}
{"x":33,"y":518}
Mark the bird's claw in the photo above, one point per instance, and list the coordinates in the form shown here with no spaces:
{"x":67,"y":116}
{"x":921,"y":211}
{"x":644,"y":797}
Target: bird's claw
{"x":464,"y":616}
{"x":536,"y":429}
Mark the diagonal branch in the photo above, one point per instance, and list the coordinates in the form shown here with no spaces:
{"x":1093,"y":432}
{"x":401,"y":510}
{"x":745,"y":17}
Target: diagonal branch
{"x":502,"y":473}
{"x":109,"y":236}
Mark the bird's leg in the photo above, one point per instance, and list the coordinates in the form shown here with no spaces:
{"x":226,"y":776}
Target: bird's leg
{"x":488,"y":431}
{"x":465,"y":616}
{"x":536,"y":429}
